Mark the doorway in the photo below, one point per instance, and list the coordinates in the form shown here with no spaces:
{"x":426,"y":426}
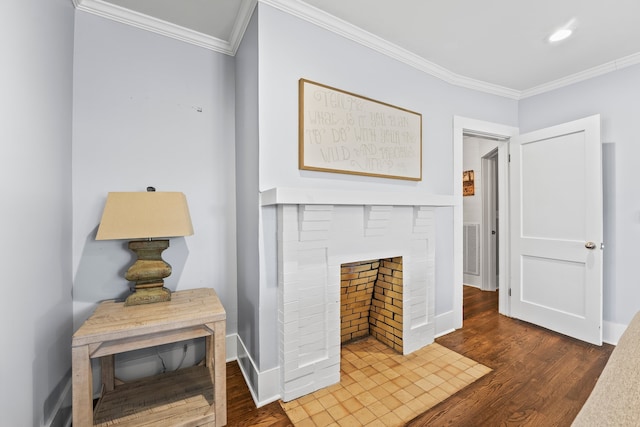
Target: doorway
{"x":481,"y":211}
{"x":499,"y":135}
{"x":530,"y":248}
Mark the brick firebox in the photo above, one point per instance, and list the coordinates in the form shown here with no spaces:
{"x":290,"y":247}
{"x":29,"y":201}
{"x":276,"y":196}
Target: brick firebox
{"x":371,"y":301}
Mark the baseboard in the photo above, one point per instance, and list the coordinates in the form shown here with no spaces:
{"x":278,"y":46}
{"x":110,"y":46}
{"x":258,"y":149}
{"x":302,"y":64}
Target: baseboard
{"x":60,"y":409}
{"x":264,"y":386}
{"x":445,"y":323}
{"x":611,"y":332}
{"x":231,"y":342}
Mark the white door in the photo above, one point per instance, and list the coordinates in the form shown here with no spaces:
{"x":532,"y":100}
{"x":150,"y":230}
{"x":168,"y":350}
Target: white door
{"x":556,"y":229}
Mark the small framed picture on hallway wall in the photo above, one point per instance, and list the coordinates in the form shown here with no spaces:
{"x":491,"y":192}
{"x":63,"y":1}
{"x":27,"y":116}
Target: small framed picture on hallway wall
{"x":468,"y":183}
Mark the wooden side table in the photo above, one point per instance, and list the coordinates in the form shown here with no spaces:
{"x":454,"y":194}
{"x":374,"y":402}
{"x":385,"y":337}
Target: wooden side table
{"x":194,"y":396}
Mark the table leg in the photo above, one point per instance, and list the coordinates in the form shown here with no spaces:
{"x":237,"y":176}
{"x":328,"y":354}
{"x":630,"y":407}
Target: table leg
{"x":216,"y":355}
{"x":108,"y":372}
{"x":82,"y":387}
{"x":220,"y":365}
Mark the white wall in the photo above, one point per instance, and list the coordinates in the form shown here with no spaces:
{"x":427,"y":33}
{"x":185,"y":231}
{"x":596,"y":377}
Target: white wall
{"x":151,"y":110}
{"x":35,"y":181}
{"x":615,"y":96}
{"x":290,"y":49}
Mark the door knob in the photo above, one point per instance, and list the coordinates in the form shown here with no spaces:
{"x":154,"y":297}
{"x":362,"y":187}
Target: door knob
{"x":590,"y":245}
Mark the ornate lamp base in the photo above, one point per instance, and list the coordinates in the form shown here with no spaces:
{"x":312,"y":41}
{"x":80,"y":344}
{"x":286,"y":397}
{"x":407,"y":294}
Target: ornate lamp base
{"x":148,"y":272}
{"x":148,"y":296}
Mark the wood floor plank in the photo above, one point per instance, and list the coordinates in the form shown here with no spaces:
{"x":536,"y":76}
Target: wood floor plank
{"x":242,"y":411}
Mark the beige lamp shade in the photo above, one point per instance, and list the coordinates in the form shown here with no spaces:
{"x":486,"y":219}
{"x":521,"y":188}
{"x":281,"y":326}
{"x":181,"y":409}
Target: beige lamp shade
{"x":142,"y":215}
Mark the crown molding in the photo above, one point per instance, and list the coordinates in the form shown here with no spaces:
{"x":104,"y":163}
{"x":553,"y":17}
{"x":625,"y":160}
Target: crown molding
{"x":159,"y":26}
{"x":590,"y":73}
{"x":331,"y":23}
{"x":242,"y":21}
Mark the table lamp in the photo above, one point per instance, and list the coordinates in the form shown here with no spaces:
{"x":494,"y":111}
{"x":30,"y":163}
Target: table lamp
{"x":146,"y":215}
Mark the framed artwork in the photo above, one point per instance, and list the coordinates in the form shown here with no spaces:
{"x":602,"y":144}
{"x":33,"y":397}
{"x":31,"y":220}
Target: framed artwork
{"x":347,"y":133}
{"x":468,"y":185}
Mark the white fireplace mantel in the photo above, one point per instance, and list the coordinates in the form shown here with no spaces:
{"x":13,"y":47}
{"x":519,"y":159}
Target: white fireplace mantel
{"x":321,"y":196}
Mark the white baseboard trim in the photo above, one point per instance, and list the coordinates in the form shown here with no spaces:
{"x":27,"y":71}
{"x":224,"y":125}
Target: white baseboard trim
{"x":611,"y":332}
{"x":445,"y":323}
{"x":264,"y":386}
{"x":61,"y":411}
{"x":231,"y":352}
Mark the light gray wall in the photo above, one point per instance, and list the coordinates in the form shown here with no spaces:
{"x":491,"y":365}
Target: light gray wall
{"x":247,"y":195}
{"x":290,"y":49}
{"x":35,"y":183}
{"x":616,"y":97}
{"x":151,"y":110}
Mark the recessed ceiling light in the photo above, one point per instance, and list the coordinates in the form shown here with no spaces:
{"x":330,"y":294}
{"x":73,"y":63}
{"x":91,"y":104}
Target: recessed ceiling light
{"x":561,"y":34}
{"x":564,"y":31}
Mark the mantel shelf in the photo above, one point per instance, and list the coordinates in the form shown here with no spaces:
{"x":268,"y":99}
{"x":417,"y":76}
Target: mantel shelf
{"x":317,"y":196}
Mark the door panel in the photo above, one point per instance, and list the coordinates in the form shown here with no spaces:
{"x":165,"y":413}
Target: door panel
{"x":552,"y":183}
{"x":556,"y":284}
{"x":556,"y":184}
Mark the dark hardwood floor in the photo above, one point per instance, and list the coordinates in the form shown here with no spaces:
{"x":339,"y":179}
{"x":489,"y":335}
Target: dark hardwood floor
{"x":539,"y":378}
{"x":241,"y":411}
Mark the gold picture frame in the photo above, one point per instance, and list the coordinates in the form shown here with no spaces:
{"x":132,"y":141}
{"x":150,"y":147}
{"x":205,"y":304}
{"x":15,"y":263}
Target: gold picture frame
{"x":342,"y":132}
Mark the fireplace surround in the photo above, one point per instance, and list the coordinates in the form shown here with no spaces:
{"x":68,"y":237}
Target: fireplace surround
{"x":317,"y":232}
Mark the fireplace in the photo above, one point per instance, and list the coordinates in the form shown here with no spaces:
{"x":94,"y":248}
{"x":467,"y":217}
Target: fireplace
{"x":317,"y":232}
{"x":371,"y":297}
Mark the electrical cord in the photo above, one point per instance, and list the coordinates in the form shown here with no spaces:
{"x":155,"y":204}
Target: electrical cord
{"x":164,"y":367}
{"x":184,"y":356}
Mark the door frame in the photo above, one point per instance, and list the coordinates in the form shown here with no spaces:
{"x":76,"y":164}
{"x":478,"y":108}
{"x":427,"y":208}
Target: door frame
{"x":462,"y":125}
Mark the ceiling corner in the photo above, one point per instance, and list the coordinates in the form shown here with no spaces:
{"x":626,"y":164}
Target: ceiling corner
{"x":135,"y":19}
{"x":240,"y":25}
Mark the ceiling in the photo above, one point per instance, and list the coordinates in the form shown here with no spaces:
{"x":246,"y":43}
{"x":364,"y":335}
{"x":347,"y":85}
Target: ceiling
{"x":498,"y":46}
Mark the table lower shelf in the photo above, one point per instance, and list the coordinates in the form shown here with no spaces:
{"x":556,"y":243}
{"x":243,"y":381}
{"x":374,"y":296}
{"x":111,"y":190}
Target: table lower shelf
{"x":180,"y":398}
